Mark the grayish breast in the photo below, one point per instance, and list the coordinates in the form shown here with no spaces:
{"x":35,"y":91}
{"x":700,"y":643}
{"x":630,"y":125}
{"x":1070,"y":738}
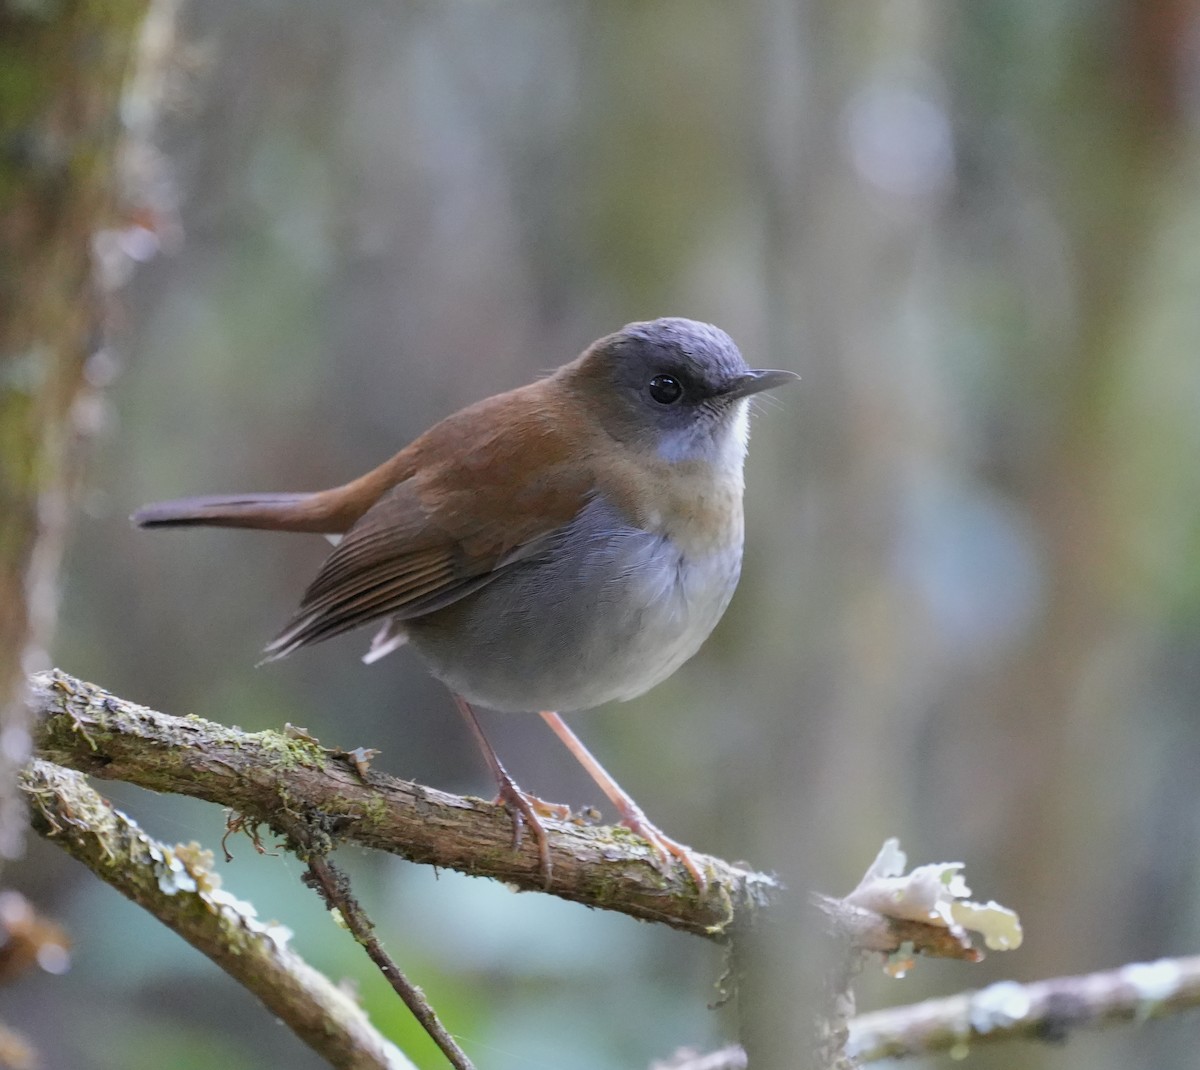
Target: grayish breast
{"x":606,"y":613}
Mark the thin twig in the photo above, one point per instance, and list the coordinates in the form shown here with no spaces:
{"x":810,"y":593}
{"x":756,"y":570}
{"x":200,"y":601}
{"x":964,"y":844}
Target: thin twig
{"x":177,"y":885}
{"x":334,"y":888}
{"x":1041,"y":1010}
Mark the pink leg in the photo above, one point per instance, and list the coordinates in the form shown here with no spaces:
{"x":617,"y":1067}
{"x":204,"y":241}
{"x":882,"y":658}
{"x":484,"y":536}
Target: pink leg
{"x":631,"y":814}
{"x":524,"y":809}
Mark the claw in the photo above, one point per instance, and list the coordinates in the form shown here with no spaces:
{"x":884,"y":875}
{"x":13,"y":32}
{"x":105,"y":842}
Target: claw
{"x":662,"y":845}
{"x":523,"y":809}
{"x":527,"y":810}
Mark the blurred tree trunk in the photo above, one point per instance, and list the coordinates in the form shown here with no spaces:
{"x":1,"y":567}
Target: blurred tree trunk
{"x":64,"y":64}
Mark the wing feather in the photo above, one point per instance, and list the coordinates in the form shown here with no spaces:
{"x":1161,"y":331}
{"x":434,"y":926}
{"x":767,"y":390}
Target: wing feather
{"x":447,"y":529}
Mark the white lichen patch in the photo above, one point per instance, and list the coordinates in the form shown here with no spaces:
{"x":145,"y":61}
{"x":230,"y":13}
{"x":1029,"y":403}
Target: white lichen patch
{"x":999,"y":926}
{"x":998,"y":1006}
{"x":1153,"y":982}
{"x":935,"y":894}
{"x":188,"y":868}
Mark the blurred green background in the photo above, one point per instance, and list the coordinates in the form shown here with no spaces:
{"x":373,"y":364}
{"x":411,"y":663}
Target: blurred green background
{"x":970,"y":610}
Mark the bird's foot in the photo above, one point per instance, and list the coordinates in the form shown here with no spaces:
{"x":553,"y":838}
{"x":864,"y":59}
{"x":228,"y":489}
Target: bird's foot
{"x":662,"y":844}
{"x":527,"y":811}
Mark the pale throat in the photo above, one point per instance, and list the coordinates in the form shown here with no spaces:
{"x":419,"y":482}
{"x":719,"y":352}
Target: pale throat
{"x":723,"y":446}
{"x":702,"y":509}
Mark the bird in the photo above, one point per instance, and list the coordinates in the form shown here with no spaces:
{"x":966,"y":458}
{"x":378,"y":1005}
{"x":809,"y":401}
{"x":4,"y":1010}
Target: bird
{"x":549,"y":549}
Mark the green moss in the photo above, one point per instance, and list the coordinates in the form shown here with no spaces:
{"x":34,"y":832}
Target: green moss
{"x":376,"y":809}
{"x":288,"y":752}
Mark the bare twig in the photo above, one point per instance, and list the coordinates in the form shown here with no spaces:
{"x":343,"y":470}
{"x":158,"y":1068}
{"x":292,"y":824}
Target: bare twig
{"x":1041,"y":1010}
{"x":177,"y":886}
{"x":272,"y":779}
{"x":334,"y":888}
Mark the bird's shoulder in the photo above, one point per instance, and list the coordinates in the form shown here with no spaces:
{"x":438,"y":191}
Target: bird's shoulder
{"x":498,"y":473}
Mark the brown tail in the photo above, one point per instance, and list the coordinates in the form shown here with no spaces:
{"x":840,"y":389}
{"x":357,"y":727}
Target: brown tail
{"x":270,"y":512}
{"x":325,"y":512}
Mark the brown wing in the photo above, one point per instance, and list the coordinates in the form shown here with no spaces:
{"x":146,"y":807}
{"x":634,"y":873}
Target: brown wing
{"x":484,"y":494}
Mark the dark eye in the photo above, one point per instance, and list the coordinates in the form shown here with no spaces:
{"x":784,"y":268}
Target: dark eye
{"x":666,"y":389}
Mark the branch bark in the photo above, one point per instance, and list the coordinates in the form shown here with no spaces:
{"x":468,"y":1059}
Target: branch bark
{"x":280,"y":781}
{"x":177,"y":886}
{"x":291,"y":784}
{"x":1042,"y":1010}
{"x":865,"y":930}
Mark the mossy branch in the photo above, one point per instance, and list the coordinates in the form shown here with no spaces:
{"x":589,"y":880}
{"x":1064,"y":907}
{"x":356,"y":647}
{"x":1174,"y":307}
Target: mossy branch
{"x":177,"y":886}
{"x":276,"y":780}
{"x":297,"y":788}
{"x":291,"y":784}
